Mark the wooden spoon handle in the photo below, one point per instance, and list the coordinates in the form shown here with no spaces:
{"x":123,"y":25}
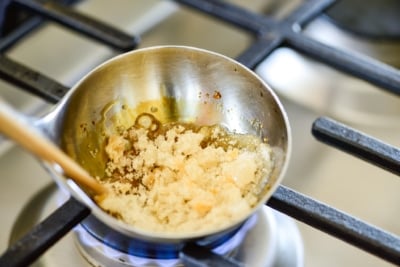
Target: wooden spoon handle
{"x":14,"y":126}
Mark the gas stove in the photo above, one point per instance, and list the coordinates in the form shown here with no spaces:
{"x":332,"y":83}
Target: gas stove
{"x":318,"y":67}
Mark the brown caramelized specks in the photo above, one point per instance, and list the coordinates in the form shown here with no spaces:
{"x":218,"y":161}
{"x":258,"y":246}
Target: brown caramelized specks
{"x":217,"y":95}
{"x":83,"y":126}
{"x":114,"y":214}
{"x":135,"y":183}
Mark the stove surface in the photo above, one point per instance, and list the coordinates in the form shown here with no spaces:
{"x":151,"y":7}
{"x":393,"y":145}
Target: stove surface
{"x":324,"y":173}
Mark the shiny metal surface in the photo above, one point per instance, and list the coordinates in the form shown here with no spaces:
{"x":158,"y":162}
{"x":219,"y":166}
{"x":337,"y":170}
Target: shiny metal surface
{"x":326,"y":174}
{"x":179,"y":83}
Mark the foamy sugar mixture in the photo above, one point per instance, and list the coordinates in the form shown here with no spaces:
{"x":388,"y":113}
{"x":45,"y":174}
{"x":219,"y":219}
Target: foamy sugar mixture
{"x":179,"y":178}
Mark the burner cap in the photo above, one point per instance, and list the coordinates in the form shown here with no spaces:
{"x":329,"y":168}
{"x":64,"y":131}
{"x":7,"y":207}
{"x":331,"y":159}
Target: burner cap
{"x":378,"y":19}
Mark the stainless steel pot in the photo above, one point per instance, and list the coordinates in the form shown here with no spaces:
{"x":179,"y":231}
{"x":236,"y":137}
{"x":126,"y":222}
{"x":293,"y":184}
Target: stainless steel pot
{"x":206,"y":88}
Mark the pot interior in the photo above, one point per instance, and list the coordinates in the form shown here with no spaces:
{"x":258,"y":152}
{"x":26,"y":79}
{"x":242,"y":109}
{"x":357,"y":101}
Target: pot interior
{"x":174,"y":84}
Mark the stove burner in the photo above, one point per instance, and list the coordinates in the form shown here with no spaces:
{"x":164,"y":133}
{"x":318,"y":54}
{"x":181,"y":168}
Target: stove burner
{"x":146,"y":249}
{"x":372,"y":19}
{"x":281,"y":245}
{"x":142,"y":253}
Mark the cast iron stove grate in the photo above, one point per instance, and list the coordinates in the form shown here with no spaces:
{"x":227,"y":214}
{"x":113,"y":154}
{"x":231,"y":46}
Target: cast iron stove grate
{"x":269,"y":34}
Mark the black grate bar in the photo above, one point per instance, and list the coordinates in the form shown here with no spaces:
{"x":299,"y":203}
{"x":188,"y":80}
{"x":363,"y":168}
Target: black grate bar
{"x":26,"y":250}
{"x":336,"y":223}
{"x":232,"y":14}
{"x":360,"y":66}
{"x":259,"y":50}
{"x":31,"y":81}
{"x":308,"y":11}
{"x":81,"y":23}
{"x":3,"y":7}
{"x":358,"y":144}
{"x":13,"y":37}
{"x":286,"y":33}
{"x":22,"y":30}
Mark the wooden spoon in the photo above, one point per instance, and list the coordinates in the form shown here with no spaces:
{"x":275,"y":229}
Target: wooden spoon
{"x":15,"y":127}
